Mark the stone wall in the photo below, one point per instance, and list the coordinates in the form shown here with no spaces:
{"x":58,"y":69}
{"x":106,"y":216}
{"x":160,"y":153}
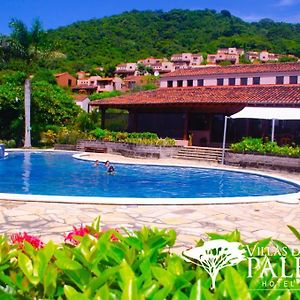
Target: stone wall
{"x":65,"y":147}
{"x":263,"y":161}
{"x":130,"y":150}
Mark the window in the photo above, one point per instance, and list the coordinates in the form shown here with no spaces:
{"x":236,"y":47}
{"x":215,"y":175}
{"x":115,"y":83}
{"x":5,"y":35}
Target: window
{"x":179,"y":83}
{"x":279,"y":79}
{"x":190,"y":83}
{"x":293,"y":79}
{"x":69,"y":82}
{"x":220,"y":81}
{"x":170,"y":83}
{"x":200,"y":82}
{"x":244,"y":81}
{"x":256,"y":80}
{"x":231,"y":81}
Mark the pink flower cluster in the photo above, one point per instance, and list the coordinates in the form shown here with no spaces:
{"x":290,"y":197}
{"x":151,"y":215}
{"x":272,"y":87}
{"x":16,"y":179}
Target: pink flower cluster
{"x":82,"y":231}
{"x":19,"y":238}
{"x":77,"y":231}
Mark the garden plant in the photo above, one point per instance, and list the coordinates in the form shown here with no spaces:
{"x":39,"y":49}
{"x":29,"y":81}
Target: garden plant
{"x":93,"y":263}
{"x":257,"y":145}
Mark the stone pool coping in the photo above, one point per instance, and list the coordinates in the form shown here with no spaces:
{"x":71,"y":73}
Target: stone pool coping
{"x":287,"y":198}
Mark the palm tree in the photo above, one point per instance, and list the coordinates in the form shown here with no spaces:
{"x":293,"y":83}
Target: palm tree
{"x":31,"y":47}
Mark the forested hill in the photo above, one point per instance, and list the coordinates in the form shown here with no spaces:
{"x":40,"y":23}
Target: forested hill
{"x":138,"y":34}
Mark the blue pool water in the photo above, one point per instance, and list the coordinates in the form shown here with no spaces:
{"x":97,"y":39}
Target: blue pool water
{"x":61,"y":174}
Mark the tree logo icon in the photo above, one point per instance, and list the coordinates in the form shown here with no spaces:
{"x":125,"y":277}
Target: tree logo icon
{"x":215,"y":255}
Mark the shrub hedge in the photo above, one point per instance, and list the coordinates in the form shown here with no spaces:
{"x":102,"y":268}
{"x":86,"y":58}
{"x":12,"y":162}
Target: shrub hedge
{"x":256,"y":145}
{"x":129,"y":265}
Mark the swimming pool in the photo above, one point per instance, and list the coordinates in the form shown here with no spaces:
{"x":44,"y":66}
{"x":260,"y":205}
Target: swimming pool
{"x":59,"y":174}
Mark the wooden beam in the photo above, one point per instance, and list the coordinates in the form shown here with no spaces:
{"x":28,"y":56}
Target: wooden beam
{"x":103,"y":118}
{"x":186,"y":126}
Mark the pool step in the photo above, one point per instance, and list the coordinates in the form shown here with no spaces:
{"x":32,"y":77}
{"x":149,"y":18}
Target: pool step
{"x":200,"y":154}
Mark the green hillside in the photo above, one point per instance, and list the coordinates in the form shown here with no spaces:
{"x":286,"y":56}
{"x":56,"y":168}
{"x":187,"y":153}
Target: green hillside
{"x":134,"y":35}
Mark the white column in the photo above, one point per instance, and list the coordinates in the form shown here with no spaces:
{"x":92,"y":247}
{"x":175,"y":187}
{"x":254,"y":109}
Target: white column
{"x":224,"y":140}
{"x":27,"y":142}
{"x":273,"y":130}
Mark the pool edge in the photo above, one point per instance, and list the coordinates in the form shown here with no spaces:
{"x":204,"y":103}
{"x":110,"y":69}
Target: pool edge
{"x":284,"y":198}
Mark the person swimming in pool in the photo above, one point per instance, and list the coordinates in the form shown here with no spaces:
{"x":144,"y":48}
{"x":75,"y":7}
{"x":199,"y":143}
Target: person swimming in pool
{"x":96,"y":163}
{"x":109,"y":168}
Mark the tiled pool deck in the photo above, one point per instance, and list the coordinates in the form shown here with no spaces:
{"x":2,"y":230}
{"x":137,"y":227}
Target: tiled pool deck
{"x":255,"y":220}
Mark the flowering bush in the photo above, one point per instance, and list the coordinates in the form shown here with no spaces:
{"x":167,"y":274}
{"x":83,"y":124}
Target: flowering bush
{"x":90,"y":265}
{"x":77,"y":231}
{"x":73,"y":236}
{"x":20,"y":238}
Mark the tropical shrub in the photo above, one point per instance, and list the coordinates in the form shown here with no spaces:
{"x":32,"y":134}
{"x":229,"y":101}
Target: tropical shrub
{"x":70,"y":136}
{"x":146,"y":138}
{"x":256,"y":145}
{"x":97,"y":96}
{"x":122,"y":264}
{"x":48,"y":138}
{"x":9,"y":143}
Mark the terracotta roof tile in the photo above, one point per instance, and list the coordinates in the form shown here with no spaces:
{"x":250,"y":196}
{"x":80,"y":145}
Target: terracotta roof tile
{"x":79,"y":97}
{"x":250,"y":95}
{"x":238,"y":69}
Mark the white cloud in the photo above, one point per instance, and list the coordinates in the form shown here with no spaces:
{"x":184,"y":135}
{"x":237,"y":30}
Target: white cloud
{"x":287,"y":2}
{"x":252,"y":18}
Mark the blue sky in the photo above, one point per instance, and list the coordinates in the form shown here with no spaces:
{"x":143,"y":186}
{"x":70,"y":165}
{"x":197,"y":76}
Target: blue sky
{"x":55,"y":13}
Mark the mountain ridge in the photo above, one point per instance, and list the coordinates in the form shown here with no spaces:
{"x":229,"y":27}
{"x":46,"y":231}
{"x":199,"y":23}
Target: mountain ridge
{"x":138,"y":34}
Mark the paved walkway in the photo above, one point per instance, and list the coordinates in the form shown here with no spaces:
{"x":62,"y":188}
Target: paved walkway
{"x":255,"y":220}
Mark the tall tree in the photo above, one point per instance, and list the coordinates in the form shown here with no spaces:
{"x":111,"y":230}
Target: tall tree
{"x":31,"y":46}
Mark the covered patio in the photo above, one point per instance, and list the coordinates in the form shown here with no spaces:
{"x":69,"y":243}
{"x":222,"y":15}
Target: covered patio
{"x":196,"y":114}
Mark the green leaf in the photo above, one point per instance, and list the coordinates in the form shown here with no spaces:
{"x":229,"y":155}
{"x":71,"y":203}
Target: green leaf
{"x":175,"y":265}
{"x":129,"y":286}
{"x":102,"y":293}
{"x":50,"y":281}
{"x":25,"y":264}
{"x":72,"y":294}
{"x":180,"y":296}
{"x":66,"y":263}
{"x":234,"y":236}
{"x":134,"y":242}
{"x":294,"y":231}
{"x":96,"y":224}
{"x":196,"y":291}
{"x":164,"y":277}
{"x":235,"y":285}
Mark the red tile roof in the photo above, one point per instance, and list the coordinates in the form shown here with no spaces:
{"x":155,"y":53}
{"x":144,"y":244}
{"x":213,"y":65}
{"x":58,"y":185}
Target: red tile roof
{"x":238,"y":69}
{"x":278,"y":95}
{"x":61,"y":74}
{"x":80,"y":97}
{"x":84,"y":86}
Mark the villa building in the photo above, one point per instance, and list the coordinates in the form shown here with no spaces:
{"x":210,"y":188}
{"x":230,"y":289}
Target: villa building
{"x":65,"y":80}
{"x":98,"y":84}
{"x":229,"y":54}
{"x":82,"y":101}
{"x":150,"y":61}
{"x":128,"y":69}
{"x":244,"y":75}
{"x":191,"y":104}
{"x":186,"y":60}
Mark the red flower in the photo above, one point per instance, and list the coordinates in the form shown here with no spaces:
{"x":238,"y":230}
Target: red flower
{"x":82,"y":231}
{"x":19,"y":238}
{"x":113,"y":237}
{"x":77,"y":231}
